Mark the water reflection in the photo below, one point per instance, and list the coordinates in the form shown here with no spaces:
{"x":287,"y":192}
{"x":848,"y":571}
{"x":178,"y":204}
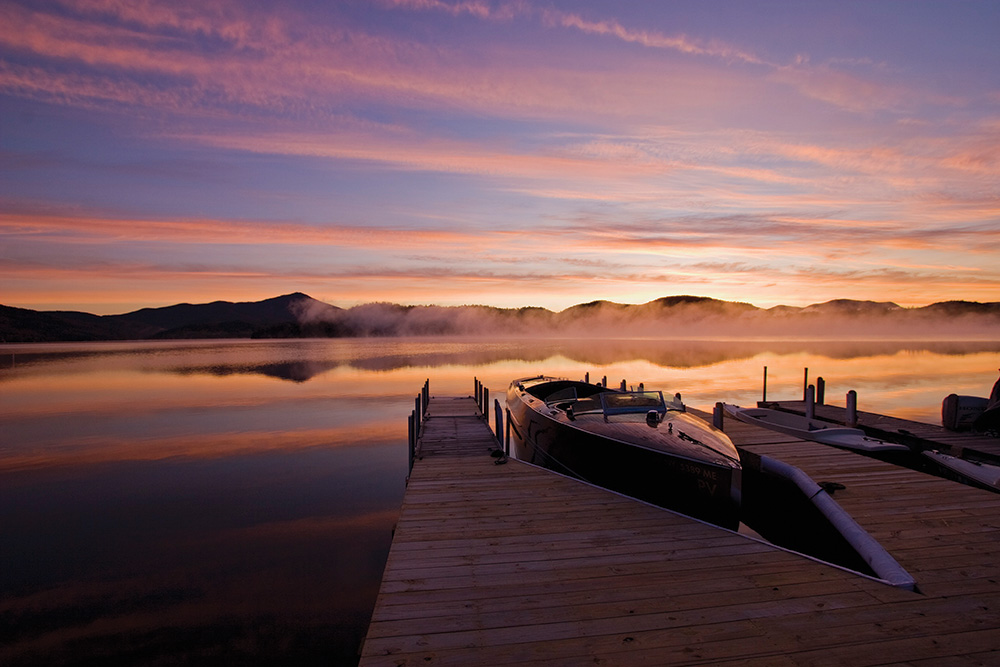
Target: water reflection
{"x":233,"y":501}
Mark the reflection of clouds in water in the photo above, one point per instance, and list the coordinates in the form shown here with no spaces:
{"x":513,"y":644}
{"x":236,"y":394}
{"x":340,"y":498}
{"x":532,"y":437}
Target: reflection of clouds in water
{"x":193,"y":556}
{"x":273,"y":591}
{"x":300,"y":361}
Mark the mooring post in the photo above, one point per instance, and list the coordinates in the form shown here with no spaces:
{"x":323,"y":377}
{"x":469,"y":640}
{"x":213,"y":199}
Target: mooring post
{"x":852,"y":408}
{"x":506,"y":440}
{"x":717,"y":417}
{"x":412,"y":439}
{"x":623,"y":385}
{"x":586,"y":377}
{"x":427,"y":393}
{"x":486,"y":405}
{"x":763,"y":399}
{"x":805,"y":383}
{"x":820,"y":391}
{"x":418,"y":410}
{"x":498,"y":411}
{"x":604,"y":381}
{"x":810,"y":402}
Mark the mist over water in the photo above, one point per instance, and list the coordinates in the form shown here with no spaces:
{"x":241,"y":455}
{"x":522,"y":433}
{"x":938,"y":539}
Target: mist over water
{"x":233,"y":501}
{"x":681,"y":317}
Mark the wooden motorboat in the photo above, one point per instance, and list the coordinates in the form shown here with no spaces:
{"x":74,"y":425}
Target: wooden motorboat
{"x":811,"y":429}
{"x":632,"y":442}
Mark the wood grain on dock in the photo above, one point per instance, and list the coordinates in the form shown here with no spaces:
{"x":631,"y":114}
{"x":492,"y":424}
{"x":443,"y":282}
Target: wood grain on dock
{"x":511,"y":564}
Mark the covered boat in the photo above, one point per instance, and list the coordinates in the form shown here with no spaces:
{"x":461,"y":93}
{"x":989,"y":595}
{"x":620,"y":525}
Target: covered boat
{"x":804,"y":428}
{"x":632,"y":442}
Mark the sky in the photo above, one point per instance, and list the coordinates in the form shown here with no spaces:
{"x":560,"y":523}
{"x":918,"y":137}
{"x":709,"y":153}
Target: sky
{"x":506,"y":153}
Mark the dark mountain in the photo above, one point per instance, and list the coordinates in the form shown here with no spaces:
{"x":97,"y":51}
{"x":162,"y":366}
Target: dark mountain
{"x":850,"y":307}
{"x":961,"y":308}
{"x":299,"y":315}
{"x":220,"y":319}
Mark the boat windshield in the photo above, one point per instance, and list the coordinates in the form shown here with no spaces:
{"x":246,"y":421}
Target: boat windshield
{"x":620,"y":403}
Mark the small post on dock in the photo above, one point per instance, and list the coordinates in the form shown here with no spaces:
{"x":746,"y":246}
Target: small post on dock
{"x":418,"y":411}
{"x":820,"y":391}
{"x":623,"y":387}
{"x":604,"y":381}
{"x":717,"y":417}
{"x":427,"y":393}
{"x":486,"y":404}
{"x":586,"y":377}
{"x":498,"y":411}
{"x":810,"y":402}
{"x":506,"y":440}
{"x":763,"y":399}
{"x":805,"y":383}
{"x":852,"y":408}
{"x":412,"y":440}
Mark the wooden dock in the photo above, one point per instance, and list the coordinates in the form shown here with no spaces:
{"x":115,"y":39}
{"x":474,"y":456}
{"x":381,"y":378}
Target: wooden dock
{"x":511,"y":564}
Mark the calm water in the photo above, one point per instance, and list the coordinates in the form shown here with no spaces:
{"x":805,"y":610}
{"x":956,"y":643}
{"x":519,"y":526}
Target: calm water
{"x":232,"y":502}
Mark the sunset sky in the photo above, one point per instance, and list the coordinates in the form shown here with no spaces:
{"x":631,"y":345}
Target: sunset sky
{"x":536,"y":152}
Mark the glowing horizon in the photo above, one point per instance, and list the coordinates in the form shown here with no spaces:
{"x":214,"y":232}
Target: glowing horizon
{"x":498,"y":153}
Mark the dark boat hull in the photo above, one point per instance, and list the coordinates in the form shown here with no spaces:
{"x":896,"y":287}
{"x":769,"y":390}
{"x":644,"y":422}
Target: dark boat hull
{"x":704,"y":490}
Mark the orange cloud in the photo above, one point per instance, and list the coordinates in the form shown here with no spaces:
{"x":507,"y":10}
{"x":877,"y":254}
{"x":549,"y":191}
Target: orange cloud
{"x":94,"y":229}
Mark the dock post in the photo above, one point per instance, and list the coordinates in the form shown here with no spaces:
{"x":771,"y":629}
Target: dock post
{"x":418,"y":410}
{"x":763,"y":399}
{"x":411,"y":441}
{"x":717,"y":416}
{"x":604,"y":382}
{"x":586,"y":377}
{"x":506,"y":441}
{"x":852,"y":408}
{"x":810,"y":402}
{"x":498,"y":411}
{"x":623,"y":387}
{"x":805,"y":383}
{"x":486,"y":405}
{"x":820,"y":391}
{"x":476,"y":392}
{"x":427,"y":393}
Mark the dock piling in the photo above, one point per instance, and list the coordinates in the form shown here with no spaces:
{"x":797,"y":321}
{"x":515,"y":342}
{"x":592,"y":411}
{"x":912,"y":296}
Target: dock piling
{"x":852,"y":408}
{"x":411,"y":440}
{"x":498,"y":412}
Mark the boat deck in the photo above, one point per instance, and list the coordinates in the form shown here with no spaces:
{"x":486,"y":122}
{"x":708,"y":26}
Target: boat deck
{"x":512,"y":564}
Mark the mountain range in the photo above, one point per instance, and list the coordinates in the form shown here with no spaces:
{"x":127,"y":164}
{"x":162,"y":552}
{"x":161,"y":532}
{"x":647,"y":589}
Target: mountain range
{"x":299,"y":316}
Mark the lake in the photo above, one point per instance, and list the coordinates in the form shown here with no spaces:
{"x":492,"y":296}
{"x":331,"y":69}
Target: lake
{"x":232,"y":502}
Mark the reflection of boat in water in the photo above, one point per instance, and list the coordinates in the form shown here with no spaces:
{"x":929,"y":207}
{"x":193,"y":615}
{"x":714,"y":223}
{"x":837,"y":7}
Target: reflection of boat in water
{"x":984,"y":474}
{"x":810,"y":429}
{"x":632,"y":442}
